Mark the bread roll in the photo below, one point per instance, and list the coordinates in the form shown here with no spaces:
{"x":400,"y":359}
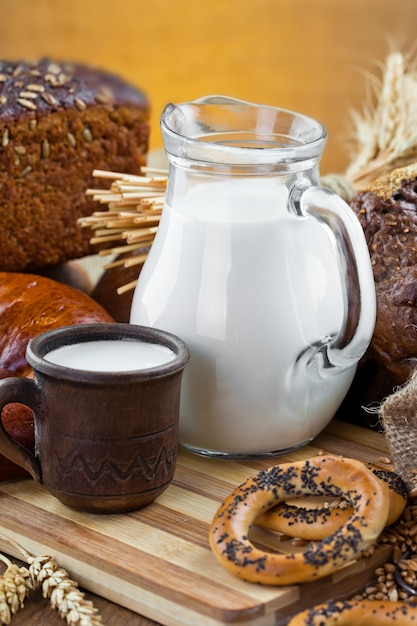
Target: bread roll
{"x":30,"y":305}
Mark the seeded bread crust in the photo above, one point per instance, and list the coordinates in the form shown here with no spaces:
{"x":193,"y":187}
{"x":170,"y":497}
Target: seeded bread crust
{"x":59,"y":122}
{"x":328,"y":476}
{"x":315,"y":524}
{"x":361,"y":613}
{"x":388,"y":215}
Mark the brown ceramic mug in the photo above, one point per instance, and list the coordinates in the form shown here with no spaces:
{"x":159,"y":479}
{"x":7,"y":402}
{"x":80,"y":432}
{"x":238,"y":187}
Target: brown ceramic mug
{"x":105,"y":441}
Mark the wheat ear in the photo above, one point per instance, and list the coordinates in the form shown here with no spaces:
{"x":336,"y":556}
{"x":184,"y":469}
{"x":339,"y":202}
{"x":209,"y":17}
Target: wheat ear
{"x":385,"y":136}
{"x":15,"y":586}
{"x":63,"y":593}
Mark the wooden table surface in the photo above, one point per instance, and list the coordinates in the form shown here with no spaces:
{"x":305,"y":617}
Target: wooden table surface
{"x":364,"y":444}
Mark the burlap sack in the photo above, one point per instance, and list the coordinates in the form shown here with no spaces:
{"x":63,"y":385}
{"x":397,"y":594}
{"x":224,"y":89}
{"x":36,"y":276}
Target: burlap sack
{"x":398,"y":414}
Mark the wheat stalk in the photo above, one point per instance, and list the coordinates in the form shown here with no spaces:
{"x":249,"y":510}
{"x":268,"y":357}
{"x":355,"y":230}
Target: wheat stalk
{"x":17,"y":583}
{"x":391,"y":106}
{"x":386,"y":134}
{"x":63,"y":593}
{"x":15,"y":586}
{"x":131,"y":221}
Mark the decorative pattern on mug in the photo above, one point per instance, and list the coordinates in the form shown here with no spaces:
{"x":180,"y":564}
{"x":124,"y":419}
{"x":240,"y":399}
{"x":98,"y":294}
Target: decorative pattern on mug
{"x":147,"y":468}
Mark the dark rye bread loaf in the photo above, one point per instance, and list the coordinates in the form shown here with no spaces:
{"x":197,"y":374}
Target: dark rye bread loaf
{"x":59,"y":122}
{"x":388,"y":215}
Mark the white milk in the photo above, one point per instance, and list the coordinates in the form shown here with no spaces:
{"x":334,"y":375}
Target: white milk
{"x":110,"y":355}
{"x":248,"y":286}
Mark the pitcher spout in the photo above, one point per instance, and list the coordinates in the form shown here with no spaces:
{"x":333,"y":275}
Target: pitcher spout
{"x":218,"y":129}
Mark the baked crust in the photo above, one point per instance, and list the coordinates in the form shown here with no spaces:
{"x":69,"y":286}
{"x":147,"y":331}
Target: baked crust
{"x":30,"y":305}
{"x":388,"y":215}
{"x":59,"y":122}
{"x":322,"y":476}
{"x":315,"y":524}
{"x":359,"y":613}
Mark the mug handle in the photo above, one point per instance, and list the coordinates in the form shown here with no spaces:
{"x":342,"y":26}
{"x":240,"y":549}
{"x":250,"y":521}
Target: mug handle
{"x":354,"y":264}
{"x":24,"y":391}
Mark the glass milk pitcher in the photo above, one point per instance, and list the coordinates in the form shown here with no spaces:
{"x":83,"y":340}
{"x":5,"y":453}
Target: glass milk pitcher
{"x":262,"y":273}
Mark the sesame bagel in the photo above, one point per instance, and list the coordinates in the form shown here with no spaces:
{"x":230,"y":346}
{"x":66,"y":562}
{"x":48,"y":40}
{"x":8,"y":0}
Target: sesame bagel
{"x":397,"y":492}
{"x":329,"y":476}
{"x":303,"y":522}
{"x":315,"y":524}
{"x":361,"y":613}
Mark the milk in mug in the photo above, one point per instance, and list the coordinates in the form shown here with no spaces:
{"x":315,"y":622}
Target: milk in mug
{"x":110,"y":355}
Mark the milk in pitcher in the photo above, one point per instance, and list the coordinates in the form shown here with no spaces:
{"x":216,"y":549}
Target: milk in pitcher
{"x":246,"y":284}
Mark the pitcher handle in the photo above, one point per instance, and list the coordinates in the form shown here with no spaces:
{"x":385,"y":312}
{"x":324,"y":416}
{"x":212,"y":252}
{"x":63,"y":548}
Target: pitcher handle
{"x":24,"y":391}
{"x":359,"y":301}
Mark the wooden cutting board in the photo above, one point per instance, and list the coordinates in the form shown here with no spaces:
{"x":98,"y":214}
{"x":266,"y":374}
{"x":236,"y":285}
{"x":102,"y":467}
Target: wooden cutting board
{"x":157,"y":561}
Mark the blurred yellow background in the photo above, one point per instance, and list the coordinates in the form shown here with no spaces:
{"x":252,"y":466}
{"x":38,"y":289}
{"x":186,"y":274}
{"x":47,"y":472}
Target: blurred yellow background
{"x":313,"y":56}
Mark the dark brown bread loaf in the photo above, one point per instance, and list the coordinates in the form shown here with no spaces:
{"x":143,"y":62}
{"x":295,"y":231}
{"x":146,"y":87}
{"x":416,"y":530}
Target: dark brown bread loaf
{"x":30,"y":305}
{"x":105,"y":291}
{"x":59,"y":122}
{"x":388,"y":214}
